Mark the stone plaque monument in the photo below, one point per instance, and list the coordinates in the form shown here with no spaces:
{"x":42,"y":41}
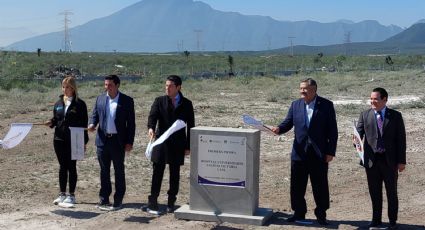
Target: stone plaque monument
{"x":224,"y":177}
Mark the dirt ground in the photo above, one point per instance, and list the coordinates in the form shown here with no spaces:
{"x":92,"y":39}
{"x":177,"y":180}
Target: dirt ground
{"x":29,"y":172}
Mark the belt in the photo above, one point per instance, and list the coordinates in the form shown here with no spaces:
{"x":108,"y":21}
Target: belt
{"x":110,"y":135}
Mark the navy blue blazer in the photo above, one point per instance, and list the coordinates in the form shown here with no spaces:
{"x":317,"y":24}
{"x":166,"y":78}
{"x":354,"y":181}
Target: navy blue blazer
{"x":124,"y":119}
{"x":321,"y":135}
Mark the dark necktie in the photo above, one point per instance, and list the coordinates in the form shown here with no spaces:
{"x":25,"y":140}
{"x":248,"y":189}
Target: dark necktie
{"x":380,"y":121}
{"x":173,"y":100}
{"x":380,"y":147}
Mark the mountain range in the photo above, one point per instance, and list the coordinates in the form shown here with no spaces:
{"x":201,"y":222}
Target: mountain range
{"x":410,"y":41}
{"x":178,"y":25}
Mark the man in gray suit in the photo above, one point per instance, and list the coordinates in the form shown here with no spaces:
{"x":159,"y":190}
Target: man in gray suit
{"x":384,"y":137}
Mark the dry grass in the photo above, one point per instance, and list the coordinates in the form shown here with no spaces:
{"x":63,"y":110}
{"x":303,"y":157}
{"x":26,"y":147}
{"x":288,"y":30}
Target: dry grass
{"x":28,"y":173}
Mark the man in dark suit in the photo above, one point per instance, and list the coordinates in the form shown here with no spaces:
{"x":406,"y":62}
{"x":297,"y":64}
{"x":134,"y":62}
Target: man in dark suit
{"x":164,"y":112}
{"x":384,"y":152}
{"x":316,"y":134}
{"x":114,"y":112}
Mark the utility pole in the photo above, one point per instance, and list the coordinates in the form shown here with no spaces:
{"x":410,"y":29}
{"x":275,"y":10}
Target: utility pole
{"x":291,"y":49}
{"x":67,"y":41}
{"x":198,"y":33}
{"x":269,"y":41}
{"x":347,"y":41}
{"x":180,"y":45}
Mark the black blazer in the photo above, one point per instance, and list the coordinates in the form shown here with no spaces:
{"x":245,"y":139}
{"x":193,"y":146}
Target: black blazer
{"x":124,"y":119}
{"x":76,"y":116}
{"x":164,"y":114}
{"x":394,"y":135}
{"x":321,"y":135}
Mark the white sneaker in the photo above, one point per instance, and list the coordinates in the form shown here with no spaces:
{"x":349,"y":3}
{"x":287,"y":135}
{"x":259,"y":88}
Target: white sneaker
{"x":60,"y":199}
{"x":70,"y":199}
{"x":69,"y":202}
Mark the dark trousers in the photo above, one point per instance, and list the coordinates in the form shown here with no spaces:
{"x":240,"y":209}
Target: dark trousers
{"x":317,"y":169}
{"x":67,"y":167}
{"x":158,"y":173}
{"x":381,"y":173}
{"x":111,"y":152}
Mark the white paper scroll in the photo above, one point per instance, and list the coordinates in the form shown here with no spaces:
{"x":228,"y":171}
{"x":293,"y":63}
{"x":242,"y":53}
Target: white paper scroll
{"x":17,"y":133}
{"x":251,"y":121}
{"x":177,"y":125}
{"x":77,"y":143}
{"x":358,"y":143}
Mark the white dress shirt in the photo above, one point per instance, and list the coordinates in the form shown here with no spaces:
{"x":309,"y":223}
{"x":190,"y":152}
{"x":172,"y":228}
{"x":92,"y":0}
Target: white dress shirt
{"x":68,"y":103}
{"x":111,"y":109}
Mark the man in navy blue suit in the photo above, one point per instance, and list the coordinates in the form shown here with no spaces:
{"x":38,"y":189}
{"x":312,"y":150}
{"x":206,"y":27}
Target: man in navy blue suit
{"x":316,"y":135}
{"x":114,"y":113}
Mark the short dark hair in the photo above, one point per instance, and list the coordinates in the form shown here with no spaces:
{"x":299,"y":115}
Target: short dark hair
{"x":175,"y":79}
{"x":113,"y":78}
{"x":310,"y":81}
{"x":381,"y":92}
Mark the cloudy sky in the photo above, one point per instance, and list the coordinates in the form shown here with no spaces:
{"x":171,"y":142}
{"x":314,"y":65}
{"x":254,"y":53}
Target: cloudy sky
{"x":20,"y":19}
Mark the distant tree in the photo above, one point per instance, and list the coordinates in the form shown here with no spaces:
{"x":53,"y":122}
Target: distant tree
{"x":318,"y":58}
{"x":230,"y":61}
{"x":340,"y":61}
{"x":389,"y":61}
{"x":186,"y":54}
{"x":39,"y":52}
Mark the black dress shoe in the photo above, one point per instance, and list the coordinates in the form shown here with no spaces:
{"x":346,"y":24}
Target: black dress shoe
{"x":322,"y":221}
{"x":295,"y":218}
{"x":116,"y":206}
{"x":170,"y":208}
{"x":393,"y":225}
{"x":374,"y":224}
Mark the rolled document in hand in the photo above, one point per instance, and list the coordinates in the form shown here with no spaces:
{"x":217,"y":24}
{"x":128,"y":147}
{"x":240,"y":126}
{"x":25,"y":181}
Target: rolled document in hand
{"x":176,"y":126}
{"x":16,"y":134}
{"x":251,"y":121}
{"x":358,"y":142}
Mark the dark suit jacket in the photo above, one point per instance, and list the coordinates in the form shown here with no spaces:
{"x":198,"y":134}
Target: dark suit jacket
{"x":394,"y":135}
{"x":124,"y":119}
{"x":76,"y":116}
{"x":163,"y":113}
{"x":322,"y":134}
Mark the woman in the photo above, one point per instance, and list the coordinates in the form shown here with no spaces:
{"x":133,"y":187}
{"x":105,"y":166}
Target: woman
{"x":69,"y":111}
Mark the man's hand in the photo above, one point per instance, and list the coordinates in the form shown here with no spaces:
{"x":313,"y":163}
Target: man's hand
{"x":151,"y":134}
{"x":401,"y":167}
{"x":329,"y":158}
{"x":275,"y":130}
{"x":48,"y":123}
{"x":91,"y":128}
{"x":355,"y":140}
{"x":128,"y":147}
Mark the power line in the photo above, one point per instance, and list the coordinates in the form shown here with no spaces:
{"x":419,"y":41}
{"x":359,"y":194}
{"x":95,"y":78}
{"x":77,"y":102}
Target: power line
{"x":347,"y":42}
{"x":291,"y":49}
{"x":66,"y":40}
{"x":198,"y":38}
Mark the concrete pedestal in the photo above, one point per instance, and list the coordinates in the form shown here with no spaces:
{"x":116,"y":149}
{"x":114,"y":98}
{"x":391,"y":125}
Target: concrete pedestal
{"x":224,"y":177}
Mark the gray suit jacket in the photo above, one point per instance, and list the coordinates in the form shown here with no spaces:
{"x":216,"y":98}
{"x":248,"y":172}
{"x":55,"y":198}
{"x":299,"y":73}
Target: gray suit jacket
{"x":394,"y":135}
